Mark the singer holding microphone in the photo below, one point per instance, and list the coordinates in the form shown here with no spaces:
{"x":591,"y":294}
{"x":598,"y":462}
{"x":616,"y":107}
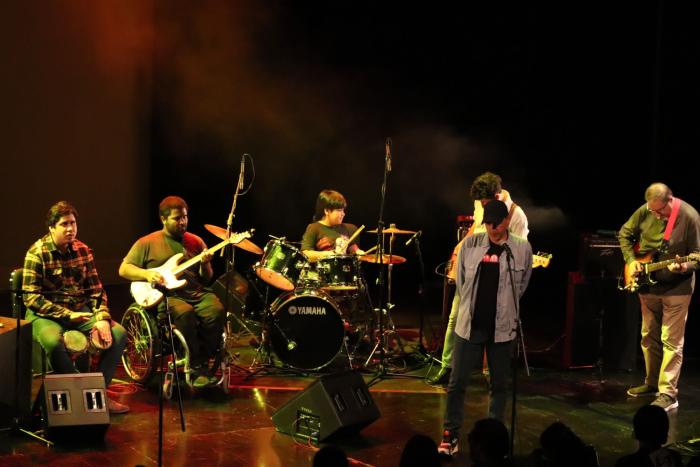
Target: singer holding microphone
{"x":63,"y":292}
{"x":487,"y":315}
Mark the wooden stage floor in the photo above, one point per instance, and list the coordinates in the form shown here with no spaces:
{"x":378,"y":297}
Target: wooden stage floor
{"x":236,"y":428}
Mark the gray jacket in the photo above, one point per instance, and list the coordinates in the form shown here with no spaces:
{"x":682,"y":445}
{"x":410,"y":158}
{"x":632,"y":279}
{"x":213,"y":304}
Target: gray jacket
{"x":468,"y":267}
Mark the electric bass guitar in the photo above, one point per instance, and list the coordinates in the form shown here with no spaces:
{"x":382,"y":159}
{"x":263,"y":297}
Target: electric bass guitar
{"x":634,"y":281}
{"x":148,"y":295}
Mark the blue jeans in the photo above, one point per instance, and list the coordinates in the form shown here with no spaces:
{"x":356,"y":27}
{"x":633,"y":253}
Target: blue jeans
{"x":464,"y":358}
{"x":49,"y":334}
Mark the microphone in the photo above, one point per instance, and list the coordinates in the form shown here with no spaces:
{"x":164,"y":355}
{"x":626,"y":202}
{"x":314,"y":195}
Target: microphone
{"x":415,"y":236}
{"x":387,"y":155}
{"x":240,"y":177}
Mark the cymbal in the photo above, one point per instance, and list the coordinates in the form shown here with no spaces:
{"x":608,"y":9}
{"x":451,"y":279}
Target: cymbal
{"x":393,"y":230}
{"x":386,"y":259}
{"x":244,"y":244}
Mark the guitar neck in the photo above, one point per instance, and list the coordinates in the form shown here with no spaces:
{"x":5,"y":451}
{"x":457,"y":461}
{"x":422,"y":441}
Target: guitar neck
{"x":196,"y":259}
{"x":651,"y":267}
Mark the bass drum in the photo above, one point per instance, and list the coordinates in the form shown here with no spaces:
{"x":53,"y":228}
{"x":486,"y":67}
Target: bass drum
{"x":307,"y":330}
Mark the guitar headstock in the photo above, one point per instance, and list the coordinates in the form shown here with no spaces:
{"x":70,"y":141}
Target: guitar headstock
{"x":541,"y":259}
{"x":238,"y":237}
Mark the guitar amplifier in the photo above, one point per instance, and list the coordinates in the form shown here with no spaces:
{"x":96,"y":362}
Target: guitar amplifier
{"x":591,"y":302}
{"x":601,"y":257}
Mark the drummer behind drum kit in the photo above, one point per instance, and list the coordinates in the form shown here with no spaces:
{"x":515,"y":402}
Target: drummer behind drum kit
{"x":319,"y":305}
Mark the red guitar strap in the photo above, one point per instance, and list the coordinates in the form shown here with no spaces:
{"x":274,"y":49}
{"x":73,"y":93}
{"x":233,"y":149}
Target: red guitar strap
{"x":675,"y":206}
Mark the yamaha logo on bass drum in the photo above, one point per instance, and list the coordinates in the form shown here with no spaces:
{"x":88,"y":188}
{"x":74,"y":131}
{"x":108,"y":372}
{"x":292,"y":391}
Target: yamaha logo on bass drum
{"x":307,"y":310}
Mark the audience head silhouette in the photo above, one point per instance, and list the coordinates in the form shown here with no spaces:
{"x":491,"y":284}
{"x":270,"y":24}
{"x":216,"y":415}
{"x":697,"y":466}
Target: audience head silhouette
{"x":420,"y":451}
{"x":651,"y":425}
{"x":489,"y":443}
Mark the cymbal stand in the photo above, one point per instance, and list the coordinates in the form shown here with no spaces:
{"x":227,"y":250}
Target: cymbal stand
{"x":389,"y":328}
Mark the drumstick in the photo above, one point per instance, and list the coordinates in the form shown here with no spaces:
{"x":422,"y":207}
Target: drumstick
{"x":371,"y":250}
{"x":357,"y":232}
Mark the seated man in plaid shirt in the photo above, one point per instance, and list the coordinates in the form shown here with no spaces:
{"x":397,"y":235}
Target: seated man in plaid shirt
{"x":63,"y":292}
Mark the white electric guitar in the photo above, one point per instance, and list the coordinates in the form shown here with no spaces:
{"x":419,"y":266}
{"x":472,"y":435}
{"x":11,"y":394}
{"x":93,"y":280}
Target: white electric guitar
{"x":148,"y":295}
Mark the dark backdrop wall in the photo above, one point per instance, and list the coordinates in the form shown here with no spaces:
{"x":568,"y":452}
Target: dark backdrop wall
{"x":76,"y":85}
{"x":578,"y":107}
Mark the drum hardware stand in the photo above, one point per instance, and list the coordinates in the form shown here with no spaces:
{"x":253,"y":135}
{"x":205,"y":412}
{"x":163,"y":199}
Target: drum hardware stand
{"x":166,"y":328}
{"x":425,"y":356}
{"x":264,"y":347}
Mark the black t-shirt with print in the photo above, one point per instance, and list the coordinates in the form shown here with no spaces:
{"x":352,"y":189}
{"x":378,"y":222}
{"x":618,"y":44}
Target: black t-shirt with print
{"x":484,"y":320}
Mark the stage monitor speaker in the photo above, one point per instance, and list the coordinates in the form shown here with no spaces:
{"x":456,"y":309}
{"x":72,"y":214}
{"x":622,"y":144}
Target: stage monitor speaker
{"x":331,"y":407}
{"x":8,"y":347}
{"x":75,"y":406}
{"x":587,"y":299}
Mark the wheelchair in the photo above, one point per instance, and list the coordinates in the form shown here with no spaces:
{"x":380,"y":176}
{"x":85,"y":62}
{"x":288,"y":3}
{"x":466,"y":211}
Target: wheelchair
{"x":141,"y":356}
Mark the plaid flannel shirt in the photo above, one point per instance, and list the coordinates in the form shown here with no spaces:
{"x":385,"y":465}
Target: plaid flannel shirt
{"x":72,"y":275}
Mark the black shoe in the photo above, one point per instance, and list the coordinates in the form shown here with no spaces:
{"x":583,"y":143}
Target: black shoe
{"x":441,"y":377}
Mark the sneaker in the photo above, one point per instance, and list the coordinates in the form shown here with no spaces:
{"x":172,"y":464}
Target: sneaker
{"x":441,"y":377}
{"x":666,"y":402}
{"x":115,"y":407}
{"x":204,"y":381}
{"x":449,"y":445}
{"x":643,"y":390}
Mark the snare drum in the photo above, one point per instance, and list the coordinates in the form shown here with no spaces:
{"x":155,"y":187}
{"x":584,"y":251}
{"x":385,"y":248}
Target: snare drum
{"x":339,"y":273}
{"x":307,"y":331}
{"x":75,"y":342}
{"x":281,"y":264}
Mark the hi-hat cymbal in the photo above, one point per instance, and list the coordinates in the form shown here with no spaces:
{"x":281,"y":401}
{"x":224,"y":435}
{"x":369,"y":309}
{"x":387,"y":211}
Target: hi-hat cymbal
{"x":386,"y":259}
{"x":244,"y":244}
{"x":393,"y":230}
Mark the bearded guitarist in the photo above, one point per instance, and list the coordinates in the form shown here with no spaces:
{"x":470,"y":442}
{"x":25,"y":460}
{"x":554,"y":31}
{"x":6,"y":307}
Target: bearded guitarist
{"x":486,"y":187}
{"x":664,"y":228}
{"x":196,"y":311}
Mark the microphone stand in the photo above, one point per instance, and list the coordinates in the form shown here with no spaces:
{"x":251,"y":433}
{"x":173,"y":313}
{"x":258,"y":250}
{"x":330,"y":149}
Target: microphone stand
{"x":16,"y":424}
{"x":229,"y":252}
{"x":382,"y":370}
{"x":519,"y":342}
{"x":166,"y":328}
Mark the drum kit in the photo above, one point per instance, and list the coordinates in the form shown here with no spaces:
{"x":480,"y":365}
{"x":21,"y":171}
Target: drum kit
{"x":317,"y":307}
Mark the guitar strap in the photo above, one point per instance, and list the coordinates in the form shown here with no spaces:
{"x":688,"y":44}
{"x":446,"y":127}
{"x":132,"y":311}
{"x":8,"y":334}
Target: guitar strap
{"x":675,"y":207}
{"x":512,"y":211}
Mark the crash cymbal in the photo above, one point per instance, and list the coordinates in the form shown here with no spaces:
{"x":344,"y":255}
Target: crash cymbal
{"x":386,"y":259}
{"x":393,"y":230}
{"x":244,"y":244}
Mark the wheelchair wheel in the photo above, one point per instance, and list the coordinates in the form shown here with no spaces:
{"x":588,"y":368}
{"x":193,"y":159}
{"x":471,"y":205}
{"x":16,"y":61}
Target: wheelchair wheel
{"x":142,"y":342}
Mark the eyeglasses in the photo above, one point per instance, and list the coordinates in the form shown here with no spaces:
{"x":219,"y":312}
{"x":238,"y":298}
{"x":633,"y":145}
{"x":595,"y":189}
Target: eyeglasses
{"x":657,"y":211}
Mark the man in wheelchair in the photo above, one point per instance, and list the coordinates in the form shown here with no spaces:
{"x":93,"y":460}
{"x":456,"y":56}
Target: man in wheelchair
{"x":63,"y":295}
{"x":197,"y":313}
